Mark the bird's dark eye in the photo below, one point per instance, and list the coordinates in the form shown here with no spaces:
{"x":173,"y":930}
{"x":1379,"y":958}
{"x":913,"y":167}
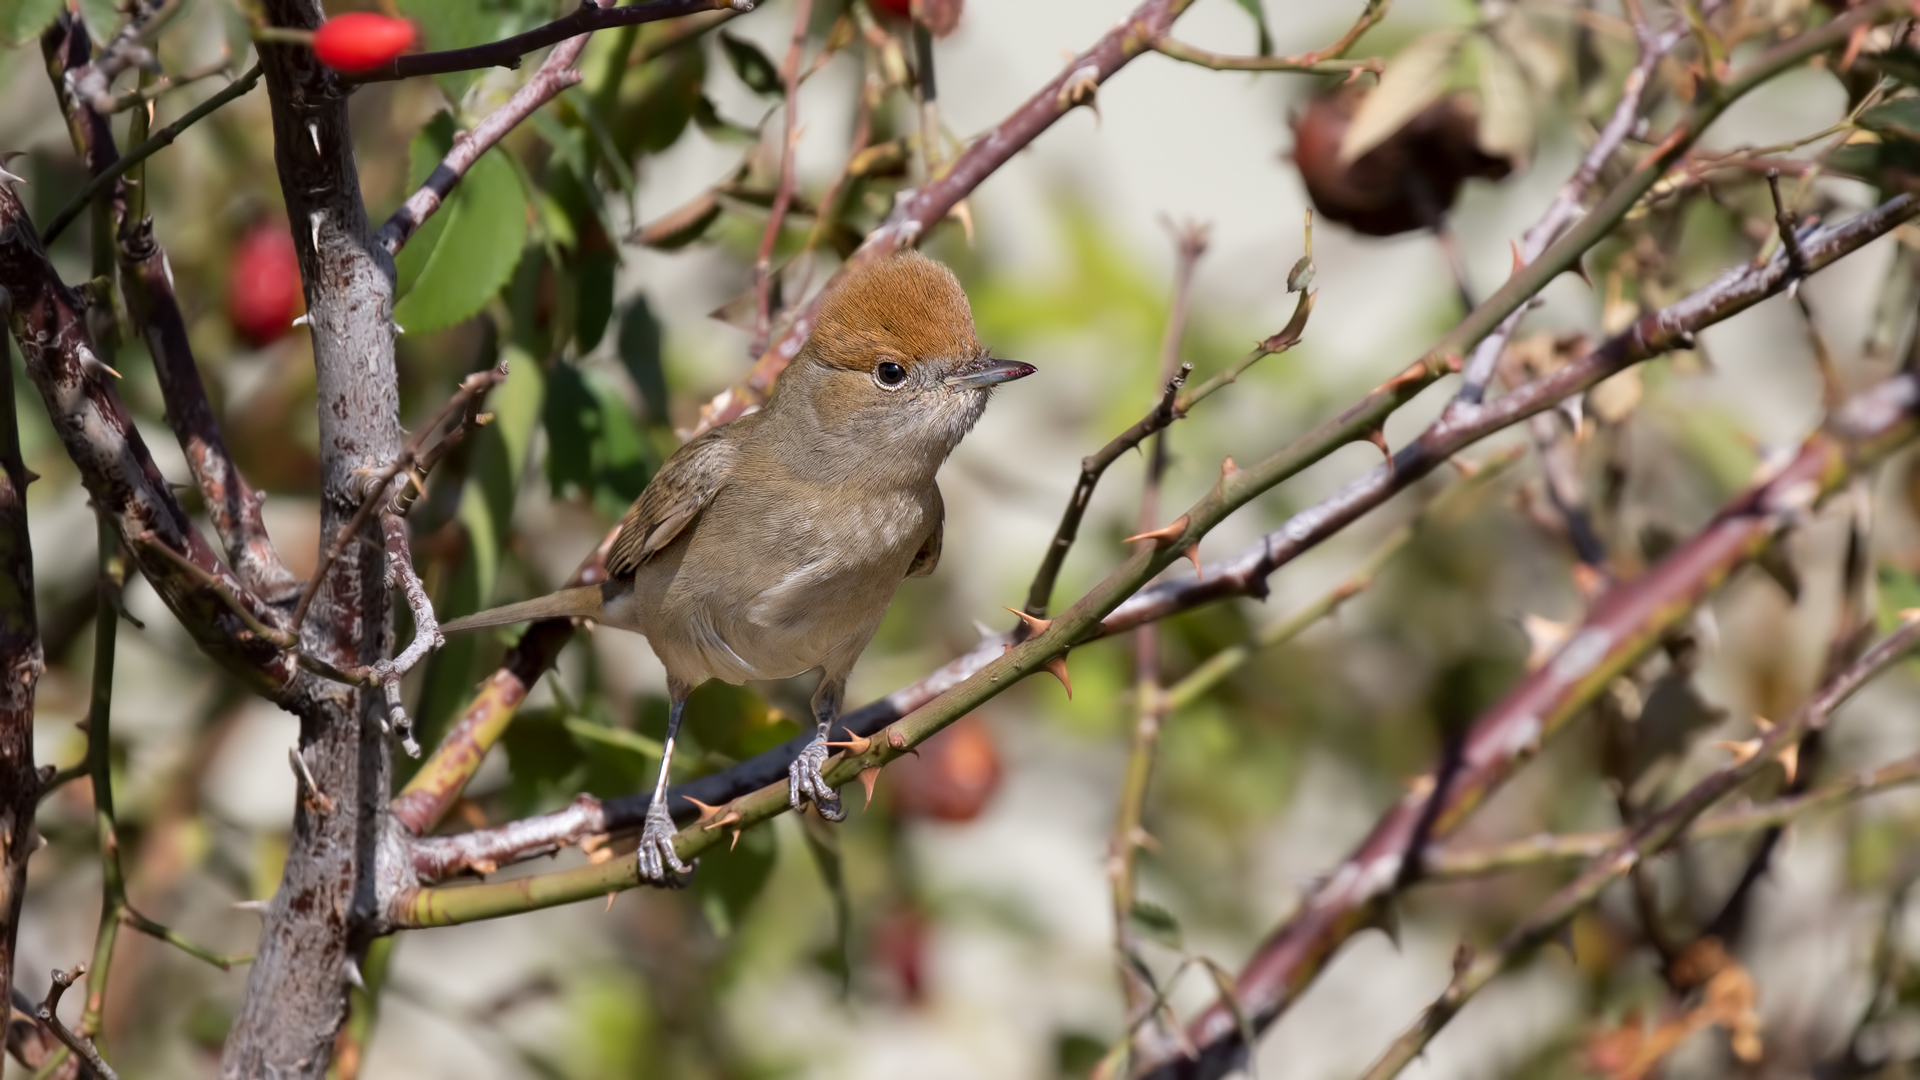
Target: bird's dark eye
{"x":890,"y":373}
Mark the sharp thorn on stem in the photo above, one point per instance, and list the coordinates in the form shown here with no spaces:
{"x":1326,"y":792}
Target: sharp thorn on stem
{"x":1058,"y":667}
{"x":1035,"y":624}
{"x":1164,"y":535}
{"x":855,"y":744}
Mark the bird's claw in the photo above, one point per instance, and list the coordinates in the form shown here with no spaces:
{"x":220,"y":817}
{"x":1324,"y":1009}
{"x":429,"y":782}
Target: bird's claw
{"x":656,"y":854}
{"x":804,"y":782}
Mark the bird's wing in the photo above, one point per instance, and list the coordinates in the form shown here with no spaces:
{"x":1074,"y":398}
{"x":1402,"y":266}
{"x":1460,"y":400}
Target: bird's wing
{"x":928,"y":556}
{"x":683,"y":487}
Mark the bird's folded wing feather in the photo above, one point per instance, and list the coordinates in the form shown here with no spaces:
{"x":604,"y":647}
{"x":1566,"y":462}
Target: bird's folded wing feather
{"x":684,"y":486}
{"x":928,"y":556}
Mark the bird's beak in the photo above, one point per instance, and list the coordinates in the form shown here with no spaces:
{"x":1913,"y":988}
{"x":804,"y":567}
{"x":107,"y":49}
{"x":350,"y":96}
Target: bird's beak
{"x":986,"y":371}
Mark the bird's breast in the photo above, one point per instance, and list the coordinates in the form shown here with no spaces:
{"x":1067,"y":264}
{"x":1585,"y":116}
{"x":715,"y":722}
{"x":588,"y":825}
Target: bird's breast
{"x":768,"y":588}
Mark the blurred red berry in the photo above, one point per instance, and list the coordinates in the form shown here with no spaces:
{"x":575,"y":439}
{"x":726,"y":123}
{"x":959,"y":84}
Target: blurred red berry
{"x":361,"y":41}
{"x":1408,"y":182}
{"x":941,"y":16}
{"x":955,"y":775}
{"x":263,"y":290}
{"x":900,"y":944}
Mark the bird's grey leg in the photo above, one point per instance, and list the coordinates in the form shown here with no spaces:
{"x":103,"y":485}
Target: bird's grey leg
{"x":656,"y":855}
{"x":803,"y":776}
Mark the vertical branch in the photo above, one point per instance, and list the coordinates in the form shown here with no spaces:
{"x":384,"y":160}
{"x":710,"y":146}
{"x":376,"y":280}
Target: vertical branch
{"x":1150,"y":705}
{"x":20,"y":666}
{"x":783,"y":196}
{"x":113,"y":883}
{"x":320,"y":919}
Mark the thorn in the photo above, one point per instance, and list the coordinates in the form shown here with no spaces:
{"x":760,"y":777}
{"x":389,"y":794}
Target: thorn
{"x":258,"y":907}
{"x":10,"y":178}
{"x":1378,"y":437}
{"x":964,"y":214}
{"x":398,"y":329}
{"x":1415,"y":372}
{"x":1580,"y":267}
{"x":1228,"y":468}
{"x":856,"y":746}
{"x":1164,"y":535}
{"x":302,"y":320}
{"x":1519,"y":263}
{"x":93,"y":365}
{"x":735,"y":841}
{"x":1544,"y":638}
{"x":354,"y":978}
{"x":1035,"y":624}
{"x":1058,"y":666}
{"x":1193,"y":556}
{"x":868,"y":778}
{"x":483,"y":867}
{"x":609,"y":906}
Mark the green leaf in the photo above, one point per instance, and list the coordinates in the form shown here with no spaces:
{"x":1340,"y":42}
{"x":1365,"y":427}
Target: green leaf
{"x":717,"y":127}
{"x":752,"y":65}
{"x":642,"y":354}
{"x":543,"y":763}
{"x":823,"y":841}
{"x":1259,"y":13}
{"x":730,"y":878}
{"x":454,"y":26}
{"x":1156,"y":923}
{"x":22,"y":21}
{"x":593,"y":275}
{"x":1898,"y":119}
{"x":620,"y":738}
{"x":1413,"y":81}
{"x":594,"y":446}
{"x":449,"y":275}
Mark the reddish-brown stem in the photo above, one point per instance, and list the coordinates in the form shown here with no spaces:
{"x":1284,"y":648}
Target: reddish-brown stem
{"x":783,"y":193}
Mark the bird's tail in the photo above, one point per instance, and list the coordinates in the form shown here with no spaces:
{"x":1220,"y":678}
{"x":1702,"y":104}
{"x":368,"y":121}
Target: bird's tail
{"x":583,"y":602}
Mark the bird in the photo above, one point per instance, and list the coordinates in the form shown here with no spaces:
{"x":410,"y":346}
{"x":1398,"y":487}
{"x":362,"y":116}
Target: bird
{"x":772,"y":545}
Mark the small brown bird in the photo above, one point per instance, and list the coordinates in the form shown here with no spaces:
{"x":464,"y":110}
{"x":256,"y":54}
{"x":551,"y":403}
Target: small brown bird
{"x":772,"y":546}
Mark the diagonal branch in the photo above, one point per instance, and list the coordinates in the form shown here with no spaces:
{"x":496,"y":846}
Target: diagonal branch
{"x":118,"y":472}
{"x":1644,"y":842}
{"x":917,"y":211}
{"x":1241,"y":575}
{"x":507,"y":52}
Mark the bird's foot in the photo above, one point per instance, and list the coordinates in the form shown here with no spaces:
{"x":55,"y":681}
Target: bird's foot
{"x":804,"y":782}
{"x":656,"y":855}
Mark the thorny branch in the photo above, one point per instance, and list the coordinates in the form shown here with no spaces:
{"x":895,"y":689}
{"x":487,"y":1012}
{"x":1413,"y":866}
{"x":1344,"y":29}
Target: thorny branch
{"x":1566,"y":205}
{"x":1241,"y":575}
{"x":1872,"y":424}
{"x":555,"y":75}
{"x":1460,"y":863}
{"x":1325,"y":61}
{"x":153,"y":144}
{"x":783,"y":193}
{"x":1643,"y":842}
{"x":49,"y":1014}
{"x":1150,"y":708}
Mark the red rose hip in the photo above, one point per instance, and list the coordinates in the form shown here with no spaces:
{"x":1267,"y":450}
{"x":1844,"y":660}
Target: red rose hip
{"x":263,"y":293}
{"x":361,"y":41}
